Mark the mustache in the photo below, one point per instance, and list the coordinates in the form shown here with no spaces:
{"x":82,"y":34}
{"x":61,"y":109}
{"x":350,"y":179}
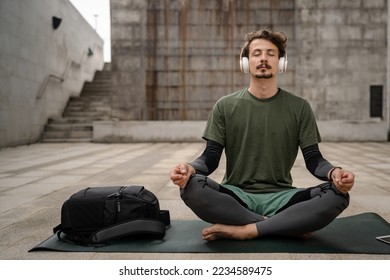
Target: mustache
{"x":266,"y":65}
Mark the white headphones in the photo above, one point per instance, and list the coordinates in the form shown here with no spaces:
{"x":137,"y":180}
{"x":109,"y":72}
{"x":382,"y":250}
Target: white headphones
{"x":244,"y":63}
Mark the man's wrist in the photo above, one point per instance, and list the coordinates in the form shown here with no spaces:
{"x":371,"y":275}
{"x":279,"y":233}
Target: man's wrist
{"x":331,"y":172}
{"x":191,"y":169}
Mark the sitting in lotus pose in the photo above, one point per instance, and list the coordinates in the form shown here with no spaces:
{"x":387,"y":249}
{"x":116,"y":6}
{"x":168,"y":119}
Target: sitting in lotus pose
{"x":261,"y":128}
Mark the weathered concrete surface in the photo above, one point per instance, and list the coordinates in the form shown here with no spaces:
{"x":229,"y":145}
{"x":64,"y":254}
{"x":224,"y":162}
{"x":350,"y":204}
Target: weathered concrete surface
{"x":173,"y":59}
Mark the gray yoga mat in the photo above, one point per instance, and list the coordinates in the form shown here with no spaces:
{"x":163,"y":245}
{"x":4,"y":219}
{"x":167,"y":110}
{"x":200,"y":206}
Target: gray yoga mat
{"x":348,"y":235}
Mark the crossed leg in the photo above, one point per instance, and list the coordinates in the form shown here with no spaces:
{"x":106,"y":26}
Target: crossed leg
{"x":213,"y":204}
{"x":311,"y":210}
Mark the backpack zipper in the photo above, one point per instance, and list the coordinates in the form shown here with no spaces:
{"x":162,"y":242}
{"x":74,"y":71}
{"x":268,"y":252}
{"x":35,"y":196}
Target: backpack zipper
{"x":117,"y":196}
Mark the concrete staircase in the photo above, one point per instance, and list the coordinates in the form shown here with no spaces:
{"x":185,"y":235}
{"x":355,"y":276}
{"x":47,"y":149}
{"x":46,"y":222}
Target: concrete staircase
{"x":76,"y":123}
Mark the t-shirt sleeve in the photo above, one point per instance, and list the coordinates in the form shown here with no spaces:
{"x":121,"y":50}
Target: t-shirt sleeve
{"x":215,"y":128}
{"x":308,"y":131}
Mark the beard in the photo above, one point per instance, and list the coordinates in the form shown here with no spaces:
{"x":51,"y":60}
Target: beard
{"x":264,"y":76}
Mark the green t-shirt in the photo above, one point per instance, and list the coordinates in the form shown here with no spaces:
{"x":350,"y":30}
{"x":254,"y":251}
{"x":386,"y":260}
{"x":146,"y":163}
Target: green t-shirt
{"x":261,"y":138}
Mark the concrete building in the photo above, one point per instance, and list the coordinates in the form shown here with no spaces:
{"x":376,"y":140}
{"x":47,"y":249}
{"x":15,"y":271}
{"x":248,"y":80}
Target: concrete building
{"x":172,"y":59}
{"x":47,"y":52}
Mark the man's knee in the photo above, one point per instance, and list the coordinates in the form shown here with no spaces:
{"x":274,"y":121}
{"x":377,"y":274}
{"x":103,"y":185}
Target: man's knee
{"x":194,"y":193}
{"x":333,"y":201}
{"x":193,"y":187}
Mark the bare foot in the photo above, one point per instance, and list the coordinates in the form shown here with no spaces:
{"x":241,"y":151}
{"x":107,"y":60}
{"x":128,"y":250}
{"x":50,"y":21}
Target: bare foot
{"x":221,"y":231}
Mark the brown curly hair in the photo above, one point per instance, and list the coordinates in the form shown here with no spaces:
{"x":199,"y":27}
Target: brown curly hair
{"x":276,"y":38}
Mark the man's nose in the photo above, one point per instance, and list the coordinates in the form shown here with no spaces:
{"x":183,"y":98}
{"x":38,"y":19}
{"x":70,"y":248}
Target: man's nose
{"x":263,"y":57}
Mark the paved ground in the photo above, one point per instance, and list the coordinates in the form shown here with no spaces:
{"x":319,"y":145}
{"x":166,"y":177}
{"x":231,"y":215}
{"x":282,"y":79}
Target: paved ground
{"x":35,"y":180}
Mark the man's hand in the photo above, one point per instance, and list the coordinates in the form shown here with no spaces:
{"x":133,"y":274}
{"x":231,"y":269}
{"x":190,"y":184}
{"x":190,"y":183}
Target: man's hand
{"x":342,"y":179}
{"x":181,"y":174}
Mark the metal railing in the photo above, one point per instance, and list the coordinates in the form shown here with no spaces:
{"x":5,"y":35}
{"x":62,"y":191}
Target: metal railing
{"x":64,"y":75}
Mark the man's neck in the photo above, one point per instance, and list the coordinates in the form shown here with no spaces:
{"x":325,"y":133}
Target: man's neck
{"x":263,"y":89}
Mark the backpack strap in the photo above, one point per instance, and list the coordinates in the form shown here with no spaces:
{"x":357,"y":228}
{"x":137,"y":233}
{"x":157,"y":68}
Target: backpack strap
{"x":141,"y":227}
{"x":165,"y":217}
{"x":57,"y":228}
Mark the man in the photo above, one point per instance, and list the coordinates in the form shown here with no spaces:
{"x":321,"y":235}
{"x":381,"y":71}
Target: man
{"x":261,"y":129}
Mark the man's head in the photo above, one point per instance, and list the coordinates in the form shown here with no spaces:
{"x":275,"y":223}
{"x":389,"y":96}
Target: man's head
{"x":264,"y":53}
{"x":276,"y":38}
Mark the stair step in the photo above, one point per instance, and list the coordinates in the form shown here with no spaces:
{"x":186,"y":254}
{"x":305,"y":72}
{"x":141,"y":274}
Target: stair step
{"x":89,"y":105}
{"x":94,"y":103}
{"x":96,"y":94}
{"x":67,"y":134}
{"x":97,"y":88}
{"x":87,"y":109}
{"x":103,"y":73}
{"x":68,"y":127}
{"x":102,"y":77}
{"x":91,"y":98}
{"x":96,"y":91}
{"x":67,"y":139}
{"x":99,"y":84}
{"x":86,"y":114}
{"x":106,"y":81}
{"x":75,"y":120}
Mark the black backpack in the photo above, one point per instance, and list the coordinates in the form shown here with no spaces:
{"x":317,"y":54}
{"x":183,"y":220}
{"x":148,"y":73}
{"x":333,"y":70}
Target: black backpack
{"x":96,"y":215}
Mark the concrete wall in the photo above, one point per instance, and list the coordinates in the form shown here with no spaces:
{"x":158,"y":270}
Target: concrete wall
{"x":192,"y":131}
{"x":173,"y":59}
{"x":147,"y":131}
{"x":342,"y":52}
{"x":40,"y":67}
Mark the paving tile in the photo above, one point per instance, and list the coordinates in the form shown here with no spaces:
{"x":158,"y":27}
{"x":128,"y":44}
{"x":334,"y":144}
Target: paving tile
{"x":45,"y":175}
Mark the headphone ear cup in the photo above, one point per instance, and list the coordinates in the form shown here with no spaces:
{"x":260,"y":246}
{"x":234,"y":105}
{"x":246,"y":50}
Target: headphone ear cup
{"x":282,"y":64}
{"x":244,"y":64}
